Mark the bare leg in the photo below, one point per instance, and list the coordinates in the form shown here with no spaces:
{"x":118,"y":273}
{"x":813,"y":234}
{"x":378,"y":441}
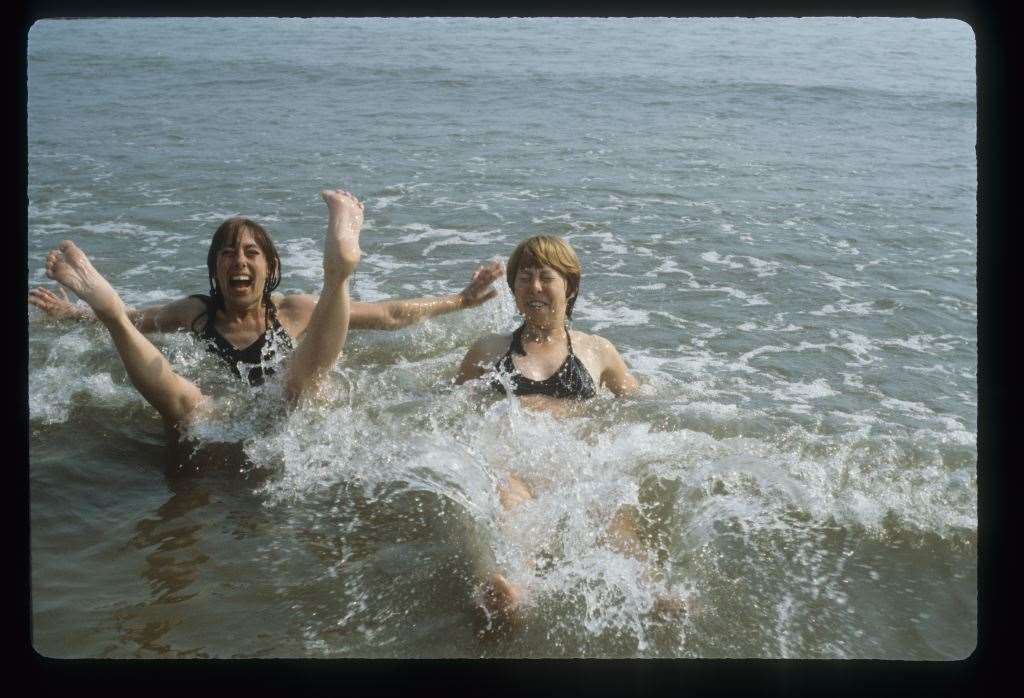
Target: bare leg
{"x":498,"y":597}
{"x":513,"y":493}
{"x":624,"y":538}
{"x":328,"y":327}
{"x":173,"y":397}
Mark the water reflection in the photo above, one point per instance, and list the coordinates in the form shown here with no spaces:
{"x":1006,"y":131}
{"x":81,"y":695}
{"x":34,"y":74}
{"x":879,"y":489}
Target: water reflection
{"x":176,"y":540}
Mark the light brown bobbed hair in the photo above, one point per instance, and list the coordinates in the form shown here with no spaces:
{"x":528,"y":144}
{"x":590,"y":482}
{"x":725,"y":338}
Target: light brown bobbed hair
{"x":551,"y":251}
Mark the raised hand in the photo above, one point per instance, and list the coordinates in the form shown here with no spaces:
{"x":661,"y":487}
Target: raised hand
{"x":479,"y":289}
{"x":57,"y":307}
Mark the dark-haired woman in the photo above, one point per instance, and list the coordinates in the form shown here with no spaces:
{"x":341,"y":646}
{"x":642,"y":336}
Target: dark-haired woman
{"x":552,"y":368}
{"x":245,"y":322}
{"x":242,"y":273}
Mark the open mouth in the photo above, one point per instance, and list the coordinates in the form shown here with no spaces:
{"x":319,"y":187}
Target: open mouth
{"x":240,"y":282}
{"x":536,"y":305}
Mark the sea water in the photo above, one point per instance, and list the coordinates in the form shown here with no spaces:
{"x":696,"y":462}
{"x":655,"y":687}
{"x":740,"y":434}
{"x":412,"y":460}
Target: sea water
{"x":776,"y":222}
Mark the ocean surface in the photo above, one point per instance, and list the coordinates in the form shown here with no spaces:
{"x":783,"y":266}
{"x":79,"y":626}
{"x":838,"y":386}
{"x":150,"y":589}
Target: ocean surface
{"x":777,"y":224}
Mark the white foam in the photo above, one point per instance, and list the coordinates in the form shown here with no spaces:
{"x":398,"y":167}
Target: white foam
{"x":715,"y":258}
{"x":616,"y":316}
{"x":800,"y":391}
{"x":838,"y":282}
{"x":119,"y":229}
{"x":750,"y":299}
{"x":916,"y":409}
{"x":863,"y":308}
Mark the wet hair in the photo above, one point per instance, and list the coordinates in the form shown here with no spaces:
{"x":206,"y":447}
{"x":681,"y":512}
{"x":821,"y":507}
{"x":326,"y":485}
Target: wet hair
{"x":227,"y":234}
{"x":550,"y":251}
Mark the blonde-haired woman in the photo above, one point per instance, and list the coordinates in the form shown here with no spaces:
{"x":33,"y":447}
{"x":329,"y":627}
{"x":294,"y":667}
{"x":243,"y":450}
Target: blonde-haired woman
{"x":549,"y":367}
{"x":543,"y":356}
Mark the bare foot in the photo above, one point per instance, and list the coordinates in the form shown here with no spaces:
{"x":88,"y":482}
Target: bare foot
{"x":69,"y":266}
{"x":479,"y":289}
{"x":341,"y":246}
{"x":499,"y":600}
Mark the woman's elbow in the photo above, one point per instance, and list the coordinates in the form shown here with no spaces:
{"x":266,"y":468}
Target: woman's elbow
{"x":624,"y":386}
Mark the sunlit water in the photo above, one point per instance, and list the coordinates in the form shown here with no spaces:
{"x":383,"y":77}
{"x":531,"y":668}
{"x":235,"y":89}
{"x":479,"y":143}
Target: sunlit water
{"x":776,"y":220}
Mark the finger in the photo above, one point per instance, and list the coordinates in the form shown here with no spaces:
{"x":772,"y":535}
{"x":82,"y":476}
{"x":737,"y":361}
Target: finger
{"x":489,"y":296}
{"x":38,"y":301}
{"x":64,"y":293}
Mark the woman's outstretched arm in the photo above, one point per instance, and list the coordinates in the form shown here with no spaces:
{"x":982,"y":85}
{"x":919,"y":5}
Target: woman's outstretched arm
{"x":169,"y":317}
{"x":396,"y":314}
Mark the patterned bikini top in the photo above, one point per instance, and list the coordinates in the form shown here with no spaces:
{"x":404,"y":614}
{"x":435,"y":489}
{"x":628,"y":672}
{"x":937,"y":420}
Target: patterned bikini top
{"x":571,"y":380}
{"x":256,"y":361}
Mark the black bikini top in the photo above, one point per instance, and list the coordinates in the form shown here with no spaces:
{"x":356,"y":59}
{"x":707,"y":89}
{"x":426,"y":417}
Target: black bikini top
{"x":259,"y":359}
{"x":571,"y":380}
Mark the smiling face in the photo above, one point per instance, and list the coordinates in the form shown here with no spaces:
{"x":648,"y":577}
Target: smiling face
{"x":241,"y":270}
{"x":541,"y":293}
{"x":544,"y":275}
{"x":243,"y":263}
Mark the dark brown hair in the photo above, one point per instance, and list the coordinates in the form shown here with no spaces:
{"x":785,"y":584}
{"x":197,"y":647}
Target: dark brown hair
{"x":227,"y":234}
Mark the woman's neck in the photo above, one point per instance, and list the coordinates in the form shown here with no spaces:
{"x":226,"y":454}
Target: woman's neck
{"x":543,"y":334}
{"x":243,"y":315}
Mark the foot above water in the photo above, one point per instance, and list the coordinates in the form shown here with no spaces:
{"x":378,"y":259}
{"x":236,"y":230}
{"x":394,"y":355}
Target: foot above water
{"x":70,"y":267}
{"x":341,"y":246}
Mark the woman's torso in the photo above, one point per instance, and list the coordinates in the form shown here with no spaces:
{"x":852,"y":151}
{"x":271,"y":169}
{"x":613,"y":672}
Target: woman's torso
{"x":572,"y":378}
{"x":256,"y":359}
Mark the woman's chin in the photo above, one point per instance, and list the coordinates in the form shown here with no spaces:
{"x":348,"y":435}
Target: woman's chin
{"x":541,"y":318}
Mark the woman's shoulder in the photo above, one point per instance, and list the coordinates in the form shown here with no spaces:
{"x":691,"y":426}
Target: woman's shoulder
{"x":590,"y":342}
{"x":296,"y":306}
{"x":493,"y":343}
{"x":188,"y":312}
{"x":484,"y":352}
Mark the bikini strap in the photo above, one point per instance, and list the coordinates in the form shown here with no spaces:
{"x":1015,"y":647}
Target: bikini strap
{"x":517,"y":341}
{"x":568,"y":339}
{"x":208,"y":310}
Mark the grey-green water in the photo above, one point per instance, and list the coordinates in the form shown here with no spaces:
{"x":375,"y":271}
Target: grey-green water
{"x":776,"y":220}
